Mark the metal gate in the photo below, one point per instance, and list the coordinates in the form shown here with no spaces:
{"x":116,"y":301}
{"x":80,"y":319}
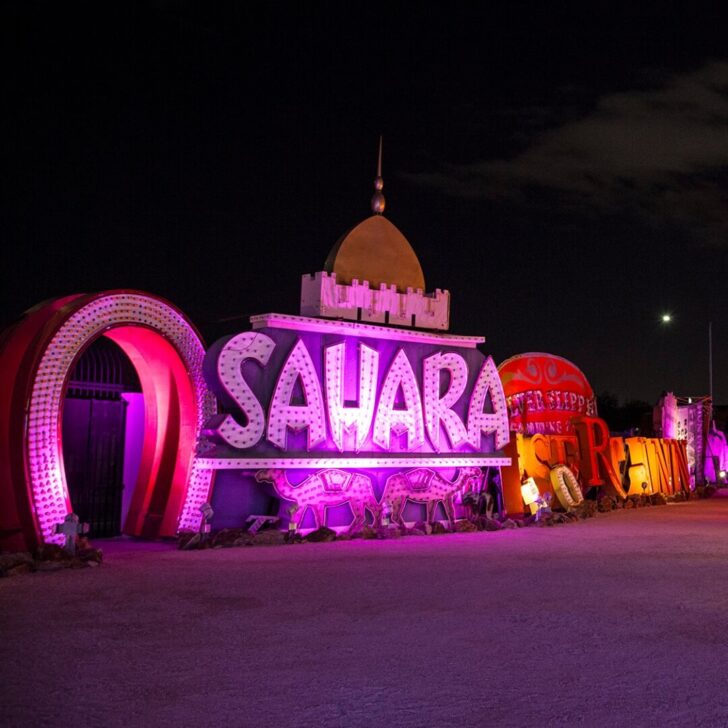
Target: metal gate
{"x":94,"y":423}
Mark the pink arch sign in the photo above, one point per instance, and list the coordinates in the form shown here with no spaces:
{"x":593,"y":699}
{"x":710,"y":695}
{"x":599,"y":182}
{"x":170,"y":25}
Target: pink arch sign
{"x":38,"y":356}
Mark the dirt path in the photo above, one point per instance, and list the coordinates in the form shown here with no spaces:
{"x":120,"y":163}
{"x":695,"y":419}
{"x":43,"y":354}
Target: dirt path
{"x":616,"y":621}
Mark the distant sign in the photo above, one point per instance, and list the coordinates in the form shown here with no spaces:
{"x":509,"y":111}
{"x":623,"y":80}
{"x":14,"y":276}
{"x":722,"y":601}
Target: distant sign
{"x":543,"y":392}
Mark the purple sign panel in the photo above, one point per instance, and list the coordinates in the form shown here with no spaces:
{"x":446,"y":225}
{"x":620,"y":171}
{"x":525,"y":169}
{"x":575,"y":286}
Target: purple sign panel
{"x":300,"y":393}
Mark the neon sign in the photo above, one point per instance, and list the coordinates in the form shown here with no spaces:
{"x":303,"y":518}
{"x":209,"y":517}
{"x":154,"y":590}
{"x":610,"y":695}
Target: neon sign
{"x":544,"y":393}
{"x":297,"y":390}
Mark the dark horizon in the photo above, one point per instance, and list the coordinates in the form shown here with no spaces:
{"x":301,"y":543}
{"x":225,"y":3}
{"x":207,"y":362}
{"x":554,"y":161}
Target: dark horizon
{"x":562,"y":173}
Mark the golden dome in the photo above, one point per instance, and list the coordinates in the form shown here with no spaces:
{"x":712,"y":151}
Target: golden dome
{"x":376,"y":251}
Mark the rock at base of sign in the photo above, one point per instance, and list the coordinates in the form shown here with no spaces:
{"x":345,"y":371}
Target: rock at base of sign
{"x":52,"y":552}
{"x":90,"y":556}
{"x":51,"y":557}
{"x":483,"y":523}
{"x":509,"y":523}
{"x":321,"y":535}
{"x":414,"y":531}
{"x":381,"y":532}
{"x":586,"y":509}
{"x":628,"y":503}
{"x":465,"y":526}
{"x":438,"y":528}
{"x":658,"y":499}
{"x":605,"y":504}
{"x":425,"y":527}
{"x":51,"y":565}
{"x":226,"y":538}
{"x":559,"y":518}
{"x":269,"y":537}
{"x":184,"y":537}
{"x":14,"y":564}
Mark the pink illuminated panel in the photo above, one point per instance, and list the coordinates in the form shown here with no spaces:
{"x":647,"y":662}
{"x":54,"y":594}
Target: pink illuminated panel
{"x":438,"y":409}
{"x":283,"y":414}
{"x":407,"y":419}
{"x":351,"y":419}
{"x":358,"y":395}
{"x":481,"y":423}
{"x":238,"y":350}
{"x":44,"y":451}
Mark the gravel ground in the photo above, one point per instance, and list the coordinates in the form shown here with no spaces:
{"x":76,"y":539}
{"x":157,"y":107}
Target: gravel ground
{"x":615,"y":621}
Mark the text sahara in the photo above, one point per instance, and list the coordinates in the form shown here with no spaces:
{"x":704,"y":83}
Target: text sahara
{"x":397,"y":406}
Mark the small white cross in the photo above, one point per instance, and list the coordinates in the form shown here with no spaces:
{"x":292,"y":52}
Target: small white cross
{"x":70,"y":528}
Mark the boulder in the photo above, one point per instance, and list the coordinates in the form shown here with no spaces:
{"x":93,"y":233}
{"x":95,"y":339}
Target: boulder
{"x":52,"y":552}
{"x":226,"y":538}
{"x":438,"y":528}
{"x":465,"y":526}
{"x":605,"y":504}
{"x":489,"y":524}
{"x":586,"y":509}
{"x":424,"y":526}
{"x":13,"y":564}
{"x":557,"y":518}
{"x":269,"y":537}
{"x":658,"y":499}
{"x":184,"y":537}
{"x":90,"y":556}
{"x":321,"y":535}
{"x":509,"y":523}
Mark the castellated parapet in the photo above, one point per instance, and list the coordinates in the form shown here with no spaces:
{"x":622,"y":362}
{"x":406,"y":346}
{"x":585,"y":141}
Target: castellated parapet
{"x":321,"y":295}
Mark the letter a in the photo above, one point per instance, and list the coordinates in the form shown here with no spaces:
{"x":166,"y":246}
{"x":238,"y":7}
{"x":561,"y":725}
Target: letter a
{"x":409,"y":419}
{"x":284,"y":415}
{"x":486,"y":423}
{"x":341,"y":418}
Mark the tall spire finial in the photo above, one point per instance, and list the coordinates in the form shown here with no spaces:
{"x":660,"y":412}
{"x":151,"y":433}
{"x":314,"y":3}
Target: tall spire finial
{"x":378,"y":201}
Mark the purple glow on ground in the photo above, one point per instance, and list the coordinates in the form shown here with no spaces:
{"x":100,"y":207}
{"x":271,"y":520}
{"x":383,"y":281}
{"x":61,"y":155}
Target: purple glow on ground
{"x":467,"y":630}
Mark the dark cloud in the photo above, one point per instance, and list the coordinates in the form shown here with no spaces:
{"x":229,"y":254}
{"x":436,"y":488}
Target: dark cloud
{"x":660,"y":152}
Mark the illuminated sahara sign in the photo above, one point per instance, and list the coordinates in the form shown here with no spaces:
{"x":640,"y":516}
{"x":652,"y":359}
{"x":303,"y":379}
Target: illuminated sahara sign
{"x":303,"y":392}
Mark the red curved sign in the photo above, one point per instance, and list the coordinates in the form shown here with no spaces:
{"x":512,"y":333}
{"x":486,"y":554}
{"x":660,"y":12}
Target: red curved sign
{"x":544,"y":392}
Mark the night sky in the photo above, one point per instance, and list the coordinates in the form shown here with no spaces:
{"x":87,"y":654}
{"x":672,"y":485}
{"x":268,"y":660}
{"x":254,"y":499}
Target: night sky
{"x":562,"y":171}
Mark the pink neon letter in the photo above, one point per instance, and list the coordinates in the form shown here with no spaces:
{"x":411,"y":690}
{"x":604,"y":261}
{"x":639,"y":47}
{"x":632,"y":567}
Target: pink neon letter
{"x":350,"y":419}
{"x":407,"y":420}
{"x":481,"y":423}
{"x":283,"y":414}
{"x":230,"y":375}
{"x":437,"y":409}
